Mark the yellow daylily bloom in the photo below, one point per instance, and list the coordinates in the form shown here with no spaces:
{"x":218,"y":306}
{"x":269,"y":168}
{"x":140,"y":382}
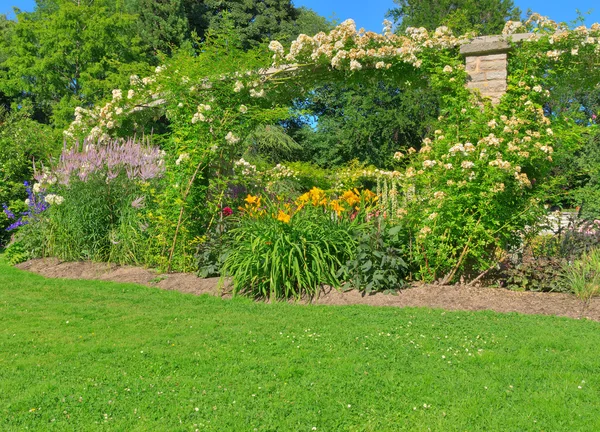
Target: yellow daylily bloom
{"x":283,"y":217}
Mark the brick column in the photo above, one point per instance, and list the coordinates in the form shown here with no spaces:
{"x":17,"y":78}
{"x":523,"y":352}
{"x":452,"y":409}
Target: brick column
{"x":486,"y":63}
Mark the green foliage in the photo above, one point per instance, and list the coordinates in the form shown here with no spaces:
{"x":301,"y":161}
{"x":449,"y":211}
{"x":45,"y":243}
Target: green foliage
{"x":16,"y":253}
{"x":97,"y":221}
{"x":308,"y":22}
{"x":270,"y":142}
{"x":161,"y":24}
{"x":583,"y":275}
{"x":378,"y":263}
{"x":255,"y":21}
{"x":367,"y":120}
{"x":68,"y":55}
{"x":278,"y":253}
{"x":587,"y":167}
{"x":23,"y":141}
{"x":486,"y":17}
{"x":215,"y":245}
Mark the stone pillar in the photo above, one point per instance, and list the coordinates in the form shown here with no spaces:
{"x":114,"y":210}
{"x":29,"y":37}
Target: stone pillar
{"x":486,"y":63}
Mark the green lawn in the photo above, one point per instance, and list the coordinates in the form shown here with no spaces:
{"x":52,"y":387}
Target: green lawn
{"x":87,"y":355}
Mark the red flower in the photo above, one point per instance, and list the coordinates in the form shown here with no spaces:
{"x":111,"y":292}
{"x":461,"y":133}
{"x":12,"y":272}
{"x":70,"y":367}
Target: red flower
{"x":227,"y":211}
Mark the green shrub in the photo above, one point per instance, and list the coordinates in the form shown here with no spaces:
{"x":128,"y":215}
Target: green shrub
{"x":282,"y":250}
{"x":378,"y":263}
{"x":16,"y":253}
{"x":22,"y":141}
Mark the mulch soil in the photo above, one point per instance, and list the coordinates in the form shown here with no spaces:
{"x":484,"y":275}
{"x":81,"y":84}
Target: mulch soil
{"x":449,"y":297}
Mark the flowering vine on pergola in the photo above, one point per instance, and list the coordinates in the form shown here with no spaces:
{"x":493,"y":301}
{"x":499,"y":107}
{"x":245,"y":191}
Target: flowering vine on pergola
{"x":479,"y":155}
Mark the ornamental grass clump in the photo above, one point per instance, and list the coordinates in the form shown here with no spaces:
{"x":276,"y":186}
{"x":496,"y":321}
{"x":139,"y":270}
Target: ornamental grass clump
{"x":285,"y":250}
{"x":583,"y":275}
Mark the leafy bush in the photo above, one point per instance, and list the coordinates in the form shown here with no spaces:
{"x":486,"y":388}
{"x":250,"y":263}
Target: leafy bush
{"x":22,"y":141}
{"x":215,"y":245}
{"x":283,"y":250}
{"x":378,"y":263}
{"x":16,"y":253}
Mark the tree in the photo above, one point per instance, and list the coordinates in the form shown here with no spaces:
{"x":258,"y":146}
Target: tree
{"x":486,"y":17}
{"x":162,"y":24}
{"x":256,"y":20}
{"x":307,"y":22}
{"x":368,"y":121}
{"x":67,"y":54}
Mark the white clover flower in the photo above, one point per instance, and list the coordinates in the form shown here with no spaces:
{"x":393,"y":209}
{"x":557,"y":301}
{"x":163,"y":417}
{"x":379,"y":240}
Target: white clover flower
{"x":231,"y":138}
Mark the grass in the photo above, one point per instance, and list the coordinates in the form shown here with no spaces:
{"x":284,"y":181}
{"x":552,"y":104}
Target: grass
{"x":90,"y":355}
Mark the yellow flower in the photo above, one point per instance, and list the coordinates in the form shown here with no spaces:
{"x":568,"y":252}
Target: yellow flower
{"x":250,"y":199}
{"x":317,"y":196}
{"x":351,"y":197}
{"x":369,"y":196}
{"x":302,"y":199}
{"x":283,"y":217}
{"x":335,"y":205}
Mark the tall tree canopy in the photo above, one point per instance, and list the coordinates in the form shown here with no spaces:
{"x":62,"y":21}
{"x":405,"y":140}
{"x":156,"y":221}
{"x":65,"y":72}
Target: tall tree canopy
{"x":486,"y":17}
{"x":68,"y":54}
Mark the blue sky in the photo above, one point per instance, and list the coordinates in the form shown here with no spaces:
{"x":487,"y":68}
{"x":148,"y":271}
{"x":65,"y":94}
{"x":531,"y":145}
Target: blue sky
{"x":370,"y":14}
